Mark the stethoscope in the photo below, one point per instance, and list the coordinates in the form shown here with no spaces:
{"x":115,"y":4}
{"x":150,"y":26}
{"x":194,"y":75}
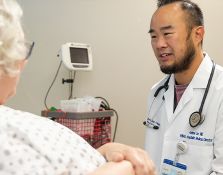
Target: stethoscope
{"x":196,"y":118}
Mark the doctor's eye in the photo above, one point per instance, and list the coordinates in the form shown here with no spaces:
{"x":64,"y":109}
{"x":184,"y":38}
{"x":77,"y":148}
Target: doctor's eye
{"x":168,"y":33}
{"x":153,"y":36}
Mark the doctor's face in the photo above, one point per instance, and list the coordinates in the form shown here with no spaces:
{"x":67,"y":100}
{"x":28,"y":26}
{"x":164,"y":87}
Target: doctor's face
{"x":171,"y":39}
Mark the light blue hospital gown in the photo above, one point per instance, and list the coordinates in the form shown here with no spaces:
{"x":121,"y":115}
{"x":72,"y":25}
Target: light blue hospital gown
{"x":34,"y":145}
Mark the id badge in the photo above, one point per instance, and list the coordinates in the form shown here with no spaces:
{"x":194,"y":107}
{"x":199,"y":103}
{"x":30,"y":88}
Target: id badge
{"x":171,"y":168}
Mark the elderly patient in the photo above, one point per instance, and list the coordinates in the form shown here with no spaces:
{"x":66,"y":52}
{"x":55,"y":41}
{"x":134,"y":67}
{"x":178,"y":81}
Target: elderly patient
{"x":30,"y":144}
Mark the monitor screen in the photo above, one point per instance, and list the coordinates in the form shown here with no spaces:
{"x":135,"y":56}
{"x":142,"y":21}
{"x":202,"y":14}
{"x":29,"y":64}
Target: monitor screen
{"x":79,"y":55}
{"x":76,"y":56}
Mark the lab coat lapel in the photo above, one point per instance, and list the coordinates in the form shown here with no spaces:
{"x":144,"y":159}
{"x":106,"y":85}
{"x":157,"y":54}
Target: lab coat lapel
{"x":199,"y":81}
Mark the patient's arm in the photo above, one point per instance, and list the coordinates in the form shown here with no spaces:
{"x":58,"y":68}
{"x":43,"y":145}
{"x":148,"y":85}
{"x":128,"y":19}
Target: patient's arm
{"x":115,"y":168}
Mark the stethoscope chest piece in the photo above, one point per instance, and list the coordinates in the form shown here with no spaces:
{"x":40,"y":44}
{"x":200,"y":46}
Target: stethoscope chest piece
{"x":195,"y":119}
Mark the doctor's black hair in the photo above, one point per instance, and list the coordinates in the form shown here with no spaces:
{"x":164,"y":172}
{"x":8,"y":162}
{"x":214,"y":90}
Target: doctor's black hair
{"x":194,"y":15}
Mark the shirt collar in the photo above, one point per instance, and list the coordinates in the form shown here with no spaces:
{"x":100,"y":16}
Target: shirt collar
{"x":202,"y":75}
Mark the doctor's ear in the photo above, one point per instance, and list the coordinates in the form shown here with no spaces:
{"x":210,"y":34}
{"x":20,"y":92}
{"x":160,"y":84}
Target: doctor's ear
{"x":198,"y":34}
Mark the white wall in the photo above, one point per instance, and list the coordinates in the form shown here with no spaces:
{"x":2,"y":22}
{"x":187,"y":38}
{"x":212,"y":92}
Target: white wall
{"x":124,"y":65}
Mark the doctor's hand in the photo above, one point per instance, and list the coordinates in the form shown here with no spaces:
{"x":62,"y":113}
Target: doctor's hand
{"x":117,"y":152}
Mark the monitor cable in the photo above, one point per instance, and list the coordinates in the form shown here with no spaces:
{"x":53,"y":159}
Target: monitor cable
{"x":47,"y":93}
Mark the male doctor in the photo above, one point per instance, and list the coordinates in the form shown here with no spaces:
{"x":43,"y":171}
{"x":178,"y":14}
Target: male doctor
{"x":185,"y":109}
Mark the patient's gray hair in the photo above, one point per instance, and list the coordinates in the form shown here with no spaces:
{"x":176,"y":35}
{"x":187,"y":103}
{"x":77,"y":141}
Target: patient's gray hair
{"x":12,"y":41}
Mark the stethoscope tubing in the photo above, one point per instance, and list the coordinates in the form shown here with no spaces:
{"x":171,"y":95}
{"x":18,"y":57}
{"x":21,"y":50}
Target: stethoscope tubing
{"x":166,"y":86}
{"x":207,"y":87}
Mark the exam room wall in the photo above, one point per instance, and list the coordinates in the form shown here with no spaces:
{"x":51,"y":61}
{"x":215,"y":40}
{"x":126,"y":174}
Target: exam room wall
{"x":124,"y":65}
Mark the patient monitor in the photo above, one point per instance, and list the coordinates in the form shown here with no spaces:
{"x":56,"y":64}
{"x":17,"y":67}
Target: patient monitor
{"x":76,"y":56}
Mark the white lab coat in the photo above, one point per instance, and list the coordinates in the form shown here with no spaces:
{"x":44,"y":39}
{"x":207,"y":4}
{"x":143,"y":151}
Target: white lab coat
{"x":205,"y":142}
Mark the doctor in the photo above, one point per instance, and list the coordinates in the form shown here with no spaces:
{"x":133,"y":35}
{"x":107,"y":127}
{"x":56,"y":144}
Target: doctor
{"x":185,"y":110}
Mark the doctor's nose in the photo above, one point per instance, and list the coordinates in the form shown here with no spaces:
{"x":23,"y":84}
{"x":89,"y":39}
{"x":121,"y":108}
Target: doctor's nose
{"x":159,"y":43}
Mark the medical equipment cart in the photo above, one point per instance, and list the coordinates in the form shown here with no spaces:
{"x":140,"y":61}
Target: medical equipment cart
{"x":94,"y":127}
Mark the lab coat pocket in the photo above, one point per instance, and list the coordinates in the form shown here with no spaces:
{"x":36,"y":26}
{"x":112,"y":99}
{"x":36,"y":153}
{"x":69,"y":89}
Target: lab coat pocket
{"x":198,"y":158}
